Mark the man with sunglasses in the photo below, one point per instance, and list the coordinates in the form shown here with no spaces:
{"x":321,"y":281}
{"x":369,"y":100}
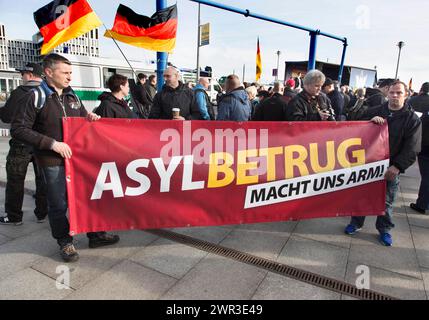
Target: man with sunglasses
{"x":21,"y":154}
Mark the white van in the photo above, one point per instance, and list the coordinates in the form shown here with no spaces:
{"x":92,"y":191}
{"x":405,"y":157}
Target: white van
{"x":90,"y":75}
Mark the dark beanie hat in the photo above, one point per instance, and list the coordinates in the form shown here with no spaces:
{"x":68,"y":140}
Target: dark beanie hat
{"x":425,"y":87}
{"x":328,"y":82}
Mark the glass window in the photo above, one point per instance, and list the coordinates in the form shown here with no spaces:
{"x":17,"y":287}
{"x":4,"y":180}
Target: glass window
{"x":108,"y":72}
{"x":2,"y":85}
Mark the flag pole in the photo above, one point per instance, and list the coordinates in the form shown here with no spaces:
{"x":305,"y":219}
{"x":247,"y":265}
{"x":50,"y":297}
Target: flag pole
{"x":132,"y":69}
{"x":114,"y":40}
{"x":161,"y":57}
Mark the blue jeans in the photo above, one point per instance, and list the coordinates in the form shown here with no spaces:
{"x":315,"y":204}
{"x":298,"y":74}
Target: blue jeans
{"x":423,"y":199}
{"x":384,"y":223}
{"x":55,"y":180}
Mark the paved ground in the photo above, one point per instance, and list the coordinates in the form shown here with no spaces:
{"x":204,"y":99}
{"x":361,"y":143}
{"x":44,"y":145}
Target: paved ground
{"x":143,"y":266}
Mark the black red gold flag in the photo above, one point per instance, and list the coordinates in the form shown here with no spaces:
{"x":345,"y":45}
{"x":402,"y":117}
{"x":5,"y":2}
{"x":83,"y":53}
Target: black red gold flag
{"x":157,"y":33}
{"x":258,"y":62}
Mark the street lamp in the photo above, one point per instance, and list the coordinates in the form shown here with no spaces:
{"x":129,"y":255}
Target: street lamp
{"x":278,"y":58}
{"x":400,"y":44}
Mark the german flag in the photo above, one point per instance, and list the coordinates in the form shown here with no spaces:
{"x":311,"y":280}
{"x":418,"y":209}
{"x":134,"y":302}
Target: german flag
{"x":258,"y":62}
{"x":157,"y":33}
{"x":62,"y":20}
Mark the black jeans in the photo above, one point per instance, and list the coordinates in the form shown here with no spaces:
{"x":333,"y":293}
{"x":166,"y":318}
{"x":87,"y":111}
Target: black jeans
{"x":423,"y":199}
{"x":17,"y":162}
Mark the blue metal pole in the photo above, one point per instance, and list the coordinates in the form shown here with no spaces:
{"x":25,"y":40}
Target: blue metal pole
{"x":161,"y":57}
{"x":343,"y":57}
{"x":247,"y":13}
{"x":313,"y":48}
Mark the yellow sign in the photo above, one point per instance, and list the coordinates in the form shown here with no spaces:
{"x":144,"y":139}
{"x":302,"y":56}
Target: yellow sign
{"x":205,"y":34}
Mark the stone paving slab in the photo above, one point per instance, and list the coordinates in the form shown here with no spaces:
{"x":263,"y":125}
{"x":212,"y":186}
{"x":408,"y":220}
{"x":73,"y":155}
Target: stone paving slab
{"x":4,"y":239}
{"x":393,"y":284}
{"x":94,"y":262}
{"x":171,"y":258}
{"x":285,"y":227}
{"x":261,"y":244}
{"x":421,"y":242}
{"x":21,"y":253}
{"x":210,"y":234}
{"x":400,"y":258}
{"x":28,"y":284}
{"x":418,"y":219}
{"x":314,"y":256}
{"x":325,"y":230}
{"x":277,"y":287}
{"x":125,"y":281}
{"x":217,"y":278}
{"x":425,"y":274}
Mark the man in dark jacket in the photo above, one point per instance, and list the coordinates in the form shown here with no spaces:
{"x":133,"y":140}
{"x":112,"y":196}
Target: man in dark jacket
{"x":420,"y":104}
{"x":235,"y":104}
{"x":345,"y":92}
{"x":404,"y":142}
{"x":330,"y":88}
{"x":311,"y":104}
{"x":150,"y":87}
{"x":141,"y":104}
{"x":273,"y":108}
{"x":21,"y":154}
{"x":38,"y":122}
{"x":174,"y":94}
{"x":377,"y":96}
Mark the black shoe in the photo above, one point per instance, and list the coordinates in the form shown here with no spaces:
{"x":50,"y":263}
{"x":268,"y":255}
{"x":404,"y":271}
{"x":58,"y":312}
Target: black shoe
{"x":69,"y":253}
{"x":103,"y":239}
{"x":415,"y":208}
{"x":6,"y":221}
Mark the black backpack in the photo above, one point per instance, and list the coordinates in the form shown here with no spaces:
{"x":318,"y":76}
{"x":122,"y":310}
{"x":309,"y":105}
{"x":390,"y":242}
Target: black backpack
{"x":210,"y":108}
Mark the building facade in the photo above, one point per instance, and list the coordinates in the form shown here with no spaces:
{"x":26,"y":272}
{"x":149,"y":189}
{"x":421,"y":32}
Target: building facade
{"x":14,"y":54}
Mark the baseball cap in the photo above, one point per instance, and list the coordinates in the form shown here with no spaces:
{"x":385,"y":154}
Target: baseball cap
{"x":34,"y":68}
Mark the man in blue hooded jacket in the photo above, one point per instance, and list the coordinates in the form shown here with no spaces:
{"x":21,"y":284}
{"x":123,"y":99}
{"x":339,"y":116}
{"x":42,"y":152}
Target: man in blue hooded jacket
{"x":235,"y":104}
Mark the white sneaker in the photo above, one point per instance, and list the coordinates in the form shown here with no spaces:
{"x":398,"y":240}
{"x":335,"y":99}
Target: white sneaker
{"x":6,"y":222}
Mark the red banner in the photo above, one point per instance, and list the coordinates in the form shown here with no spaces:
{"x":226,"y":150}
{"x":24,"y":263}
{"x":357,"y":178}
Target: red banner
{"x":148,"y":174}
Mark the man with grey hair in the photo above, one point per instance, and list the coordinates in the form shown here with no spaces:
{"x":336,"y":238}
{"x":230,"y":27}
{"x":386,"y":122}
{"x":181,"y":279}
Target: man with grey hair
{"x":311,"y":104}
{"x":174,"y":94}
{"x":202,"y":99}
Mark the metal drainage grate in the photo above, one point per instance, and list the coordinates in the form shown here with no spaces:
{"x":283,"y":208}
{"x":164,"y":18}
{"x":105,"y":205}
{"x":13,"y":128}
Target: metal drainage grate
{"x":275,"y":267}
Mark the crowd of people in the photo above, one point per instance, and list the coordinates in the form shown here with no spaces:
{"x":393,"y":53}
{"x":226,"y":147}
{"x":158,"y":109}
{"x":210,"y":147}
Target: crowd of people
{"x":36,"y":108}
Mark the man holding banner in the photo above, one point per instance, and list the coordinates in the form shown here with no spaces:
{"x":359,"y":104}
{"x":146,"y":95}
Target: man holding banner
{"x":39,"y":123}
{"x":404,"y":142}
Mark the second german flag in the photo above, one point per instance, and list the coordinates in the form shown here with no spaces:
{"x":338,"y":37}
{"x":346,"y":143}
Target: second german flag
{"x":157,"y":33}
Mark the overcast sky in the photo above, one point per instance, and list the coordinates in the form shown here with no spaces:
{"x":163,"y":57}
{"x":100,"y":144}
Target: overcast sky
{"x":373,"y":29}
